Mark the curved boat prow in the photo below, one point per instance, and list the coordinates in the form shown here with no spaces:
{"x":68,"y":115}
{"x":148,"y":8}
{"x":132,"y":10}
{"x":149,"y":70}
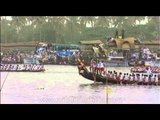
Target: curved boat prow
{"x":84,"y":72}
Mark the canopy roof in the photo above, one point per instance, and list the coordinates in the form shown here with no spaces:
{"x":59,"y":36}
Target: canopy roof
{"x":91,"y":42}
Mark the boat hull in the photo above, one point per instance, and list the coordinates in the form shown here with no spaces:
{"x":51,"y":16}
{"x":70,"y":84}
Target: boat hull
{"x":21,"y":71}
{"x":89,"y":76}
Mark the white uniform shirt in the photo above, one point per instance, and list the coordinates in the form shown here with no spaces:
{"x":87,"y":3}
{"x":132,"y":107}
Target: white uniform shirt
{"x":156,"y":79}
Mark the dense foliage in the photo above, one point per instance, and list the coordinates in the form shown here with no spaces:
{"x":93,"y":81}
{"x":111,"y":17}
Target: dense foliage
{"x":72,"y":29}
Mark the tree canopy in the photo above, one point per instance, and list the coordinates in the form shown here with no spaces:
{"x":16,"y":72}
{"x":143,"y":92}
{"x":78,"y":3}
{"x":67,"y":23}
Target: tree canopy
{"x":72,"y":29}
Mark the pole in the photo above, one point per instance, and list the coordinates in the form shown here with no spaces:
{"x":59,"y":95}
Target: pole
{"x":158,"y":20}
{"x":159,"y":30}
{"x":106,"y":90}
{"x":4,"y":82}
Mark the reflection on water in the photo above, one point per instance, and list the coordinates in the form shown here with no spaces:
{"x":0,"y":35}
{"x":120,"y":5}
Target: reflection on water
{"x":63,"y":85}
{"x":92,"y":87}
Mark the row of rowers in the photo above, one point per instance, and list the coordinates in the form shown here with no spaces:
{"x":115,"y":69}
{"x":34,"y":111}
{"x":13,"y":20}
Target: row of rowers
{"x":21,"y":67}
{"x":155,"y":69}
{"x":132,"y":78}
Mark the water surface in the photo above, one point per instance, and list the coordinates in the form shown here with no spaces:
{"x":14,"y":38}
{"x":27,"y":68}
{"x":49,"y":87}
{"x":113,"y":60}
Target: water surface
{"x":61,"y":84}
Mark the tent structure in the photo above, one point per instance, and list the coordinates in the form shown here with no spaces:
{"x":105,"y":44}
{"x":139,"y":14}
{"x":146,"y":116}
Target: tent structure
{"x":127,"y":43}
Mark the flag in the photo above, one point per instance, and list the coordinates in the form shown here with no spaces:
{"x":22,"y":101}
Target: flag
{"x":108,"y":90}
